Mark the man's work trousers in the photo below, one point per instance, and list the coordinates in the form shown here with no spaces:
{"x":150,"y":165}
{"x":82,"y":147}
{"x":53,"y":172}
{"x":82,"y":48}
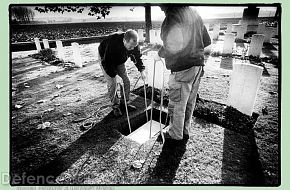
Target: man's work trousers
{"x":112,"y":85}
{"x":183,"y":87}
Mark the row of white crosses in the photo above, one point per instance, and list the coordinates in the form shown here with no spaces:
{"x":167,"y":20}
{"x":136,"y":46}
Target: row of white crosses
{"x":61,"y":51}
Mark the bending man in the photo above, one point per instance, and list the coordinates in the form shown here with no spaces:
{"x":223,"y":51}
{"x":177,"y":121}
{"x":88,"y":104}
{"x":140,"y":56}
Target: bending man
{"x":114,"y":52}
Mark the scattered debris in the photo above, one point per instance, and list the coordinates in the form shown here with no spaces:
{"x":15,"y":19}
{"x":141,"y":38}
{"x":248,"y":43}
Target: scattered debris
{"x":69,"y":66}
{"x":58,"y":86}
{"x":137,"y":164}
{"x":44,"y":125}
{"x":55,"y":62}
{"x":41,"y":101}
{"x":142,"y":161}
{"x":273,"y":93}
{"x":225,"y":75}
{"x":78,"y":100}
{"x":67,"y":114}
{"x":265,"y":110}
{"x":86,"y":126}
{"x":212,"y":77}
{"x":96,"y":76}
{"x":18,"y":106}
{"x":55,"y":96}
{"x":49,"y":110}
{"x":79,"y":120}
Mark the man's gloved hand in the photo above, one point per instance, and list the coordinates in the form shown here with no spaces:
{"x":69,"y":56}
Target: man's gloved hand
{"x":143,"y":75}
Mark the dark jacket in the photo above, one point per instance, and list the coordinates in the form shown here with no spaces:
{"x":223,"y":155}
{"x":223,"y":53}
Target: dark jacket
{"x":113,"y":52}
{"x":184,"y":37}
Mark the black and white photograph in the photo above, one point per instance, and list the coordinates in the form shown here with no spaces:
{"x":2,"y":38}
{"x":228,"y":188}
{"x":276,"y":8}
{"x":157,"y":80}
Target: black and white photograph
{"x":145,"y":94}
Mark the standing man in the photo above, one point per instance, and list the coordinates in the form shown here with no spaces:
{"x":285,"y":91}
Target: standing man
{"x":114,"y":52}
{"x":184,"y":38}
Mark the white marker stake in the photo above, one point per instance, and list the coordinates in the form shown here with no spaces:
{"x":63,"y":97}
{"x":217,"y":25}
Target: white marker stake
{"x":37,"y":44}
{"x":60,"y":50}
{"x":77,"y":55}
{"x":45,"y":43}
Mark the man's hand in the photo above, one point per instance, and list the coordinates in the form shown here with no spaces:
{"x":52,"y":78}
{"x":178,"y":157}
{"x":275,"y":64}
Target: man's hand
{"x":156,"y":57}
{"x":143,"y":75}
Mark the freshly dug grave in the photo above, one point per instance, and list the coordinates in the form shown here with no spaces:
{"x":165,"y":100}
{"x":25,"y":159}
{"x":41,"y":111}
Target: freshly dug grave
{"x":211,"y":111}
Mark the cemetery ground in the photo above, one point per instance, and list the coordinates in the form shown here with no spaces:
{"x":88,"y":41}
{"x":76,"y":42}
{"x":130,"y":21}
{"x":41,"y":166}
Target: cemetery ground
{"x":50,"y":104}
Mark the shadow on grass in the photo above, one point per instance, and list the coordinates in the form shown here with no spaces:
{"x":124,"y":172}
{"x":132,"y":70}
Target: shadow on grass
{"x":103,"y":134}
{"x":27,"y":65}
{"x":269,"y":46}
{"x":241,"y":164}
{"x":167,"y":163}
{"x":240,"y":160}
{"x":43,"y":83}
{"x":268,"y":50}
{"x":98,"y":134}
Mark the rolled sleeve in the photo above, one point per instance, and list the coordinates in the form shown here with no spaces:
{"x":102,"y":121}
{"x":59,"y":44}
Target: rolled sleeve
{"x":135,"y":56}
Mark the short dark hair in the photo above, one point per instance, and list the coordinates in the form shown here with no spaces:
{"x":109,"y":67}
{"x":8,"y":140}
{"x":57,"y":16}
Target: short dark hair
{"x":130,"y":34}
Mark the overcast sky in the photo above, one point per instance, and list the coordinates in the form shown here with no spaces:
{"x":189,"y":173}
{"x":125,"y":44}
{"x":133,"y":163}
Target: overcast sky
{"x":123,"y":13}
